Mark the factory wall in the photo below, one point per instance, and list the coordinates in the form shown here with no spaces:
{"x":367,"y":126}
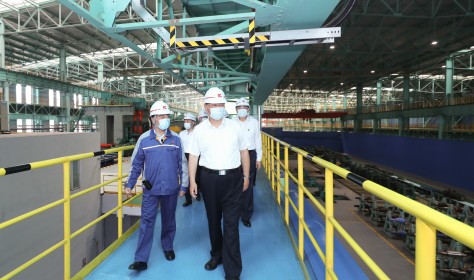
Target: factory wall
{"x":330,"y":140}
{"x":446,"y":161}
{"x":23,"y":192}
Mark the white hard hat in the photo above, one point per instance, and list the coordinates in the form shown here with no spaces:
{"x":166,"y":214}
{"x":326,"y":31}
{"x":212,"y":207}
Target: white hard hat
{"x":202,"y":114}
{"x":214,"y":95}
{"x":189,"y":116}
{"x":242,"y":102}
{"x":160,"y":108}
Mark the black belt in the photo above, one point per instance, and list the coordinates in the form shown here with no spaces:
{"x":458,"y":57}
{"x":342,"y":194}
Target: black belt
{"x":221,"y":172}
{"x":252,"y":151}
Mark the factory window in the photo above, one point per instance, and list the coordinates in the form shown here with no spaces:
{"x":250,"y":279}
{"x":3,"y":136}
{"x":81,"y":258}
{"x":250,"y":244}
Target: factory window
{"x":58,"y":98}
{"x":29,"y":125}
{"x":75,"y":175}
{"x":19,"y":125}
{"x":28,"y":95}
{"x":51,"y":125}
{"x":19,"y":95}
{"x":51,"y":98}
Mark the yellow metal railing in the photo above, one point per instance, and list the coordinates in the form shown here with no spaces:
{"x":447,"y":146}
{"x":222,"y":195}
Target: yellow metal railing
{"x":66,"y":202}
{"x":428,"y":220}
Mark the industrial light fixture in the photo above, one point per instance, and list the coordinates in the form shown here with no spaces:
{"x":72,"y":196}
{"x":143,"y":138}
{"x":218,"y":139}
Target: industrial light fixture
{"x":332,"y":47}
{"x":372,"y":71}
{"x":305,"y":71}
{"x":342,"y":84}
{"x":434,"y":43}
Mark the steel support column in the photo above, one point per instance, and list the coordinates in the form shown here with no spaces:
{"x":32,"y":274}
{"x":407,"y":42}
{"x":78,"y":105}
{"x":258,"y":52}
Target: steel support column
{"x":449,"y":80}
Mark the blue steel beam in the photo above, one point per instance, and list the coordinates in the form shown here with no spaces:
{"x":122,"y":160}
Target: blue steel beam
{"x":181,"y":22}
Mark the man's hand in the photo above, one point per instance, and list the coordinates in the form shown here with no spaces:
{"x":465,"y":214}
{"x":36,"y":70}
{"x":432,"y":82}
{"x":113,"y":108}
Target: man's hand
{"x":246,"y":183}
{"x":259,"y":165}
{"x":193,"y":189}
{"x":128,"y":192}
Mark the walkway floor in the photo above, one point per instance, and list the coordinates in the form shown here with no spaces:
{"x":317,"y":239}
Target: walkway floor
{"x":267,"y":252}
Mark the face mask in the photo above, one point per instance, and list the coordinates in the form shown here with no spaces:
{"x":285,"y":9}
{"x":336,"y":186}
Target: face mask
{"x":187,"y":126}
{"x":242,"y":113}
{"x":217,"y":113}
{"x":163,"y":124}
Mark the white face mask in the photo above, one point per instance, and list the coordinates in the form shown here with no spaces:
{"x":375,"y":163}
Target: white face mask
{"x":242,"y":113}
{"x":163,"y":124}
{"x":217,"y":113}
{"x":187,"y":126}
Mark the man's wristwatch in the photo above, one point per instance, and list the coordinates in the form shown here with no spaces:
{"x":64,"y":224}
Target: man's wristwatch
{"x":246,"y":177}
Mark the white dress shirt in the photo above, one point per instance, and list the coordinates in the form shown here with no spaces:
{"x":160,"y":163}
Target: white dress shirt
{"x":219,"y":147}
{"x":185,"y":136}
{"x":251,"y":130}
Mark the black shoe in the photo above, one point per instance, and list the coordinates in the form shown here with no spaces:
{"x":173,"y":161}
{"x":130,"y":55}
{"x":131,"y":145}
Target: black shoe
{"x":138,"y":266}
{"x":247,"y":223}
{"x":198,"y":197}
{"x":169,"y":255}
{"x":187,"y":203}
{"x":212,"y":264}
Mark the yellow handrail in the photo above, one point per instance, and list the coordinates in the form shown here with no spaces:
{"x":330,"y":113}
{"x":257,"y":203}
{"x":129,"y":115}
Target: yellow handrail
{"x":66,"y":201}
{"x":428,"y":220}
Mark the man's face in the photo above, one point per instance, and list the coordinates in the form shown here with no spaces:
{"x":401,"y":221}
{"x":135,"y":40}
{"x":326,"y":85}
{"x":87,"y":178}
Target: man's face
{"x":155,"y":119}
{"x":190,"y":121}
{"x":208,"y":106}
{"x":242,"y":107}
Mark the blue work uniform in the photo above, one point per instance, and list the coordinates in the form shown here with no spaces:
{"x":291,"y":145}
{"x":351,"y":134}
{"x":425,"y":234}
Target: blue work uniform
{"x":163,"y":164}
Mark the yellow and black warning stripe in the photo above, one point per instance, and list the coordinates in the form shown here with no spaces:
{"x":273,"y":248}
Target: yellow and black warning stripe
{"x":359,"y":180}
{"x":173,"y":36}
{"x":39,"y":164}
{"x":252,"y":32}
{"x":219,"y":42}
{"x":210,"y":43}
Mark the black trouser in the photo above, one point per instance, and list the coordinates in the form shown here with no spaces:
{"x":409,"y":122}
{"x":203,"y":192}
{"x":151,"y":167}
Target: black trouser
{"x":247,"y":196}
{"x":222,"y":198}
{"x":188,"y":196}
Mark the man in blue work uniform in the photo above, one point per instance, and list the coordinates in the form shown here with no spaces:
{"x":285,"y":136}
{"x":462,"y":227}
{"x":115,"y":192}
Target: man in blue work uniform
{"x":251,"y":128}
{"x":221,"y":147}
{"x":159,"y":154}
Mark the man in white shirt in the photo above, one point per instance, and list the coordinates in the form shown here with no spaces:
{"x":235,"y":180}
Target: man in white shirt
{"x":251,"y":130}
{"x":224,"y":175}
{"x":189,"y":123}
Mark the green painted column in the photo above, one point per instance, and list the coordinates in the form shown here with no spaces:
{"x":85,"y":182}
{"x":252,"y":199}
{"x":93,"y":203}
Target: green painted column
{"x":357,"y":121}
{"x":5,"y":116}
{"x":62,"y":65}
{"x":449,"y":80}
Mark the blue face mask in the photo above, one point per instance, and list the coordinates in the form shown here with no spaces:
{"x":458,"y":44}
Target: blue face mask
{"x":187,"y":126}
{"x":217,"y":113}
{"x":242,"y":113}
{"x":163,"y":124}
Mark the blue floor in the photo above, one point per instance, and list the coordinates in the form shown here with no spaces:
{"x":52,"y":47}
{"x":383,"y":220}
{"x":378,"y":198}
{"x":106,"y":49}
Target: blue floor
{"x":266,"y":248}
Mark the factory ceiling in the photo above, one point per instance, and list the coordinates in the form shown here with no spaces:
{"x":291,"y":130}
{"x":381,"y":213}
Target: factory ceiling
{"x":369,"y":40}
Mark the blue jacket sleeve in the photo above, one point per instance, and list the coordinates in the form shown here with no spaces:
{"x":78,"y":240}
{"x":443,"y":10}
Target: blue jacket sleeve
{"x":138,"y":160}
